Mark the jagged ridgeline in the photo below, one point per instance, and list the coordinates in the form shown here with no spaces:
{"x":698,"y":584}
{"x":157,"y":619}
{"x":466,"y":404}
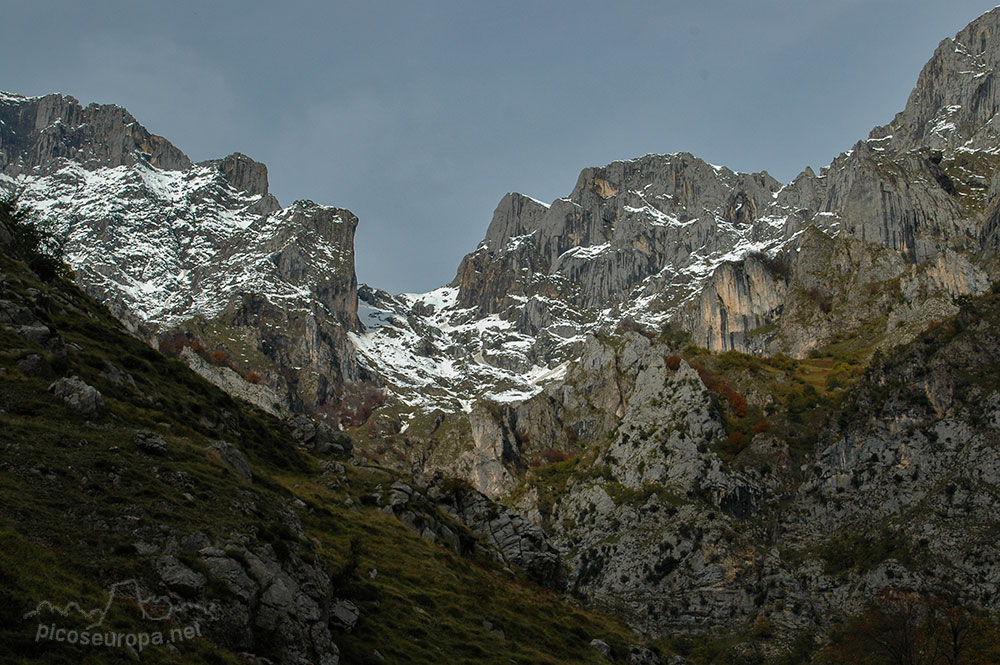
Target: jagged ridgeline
{"x":132,"y":487}
{"x":757,"y":420}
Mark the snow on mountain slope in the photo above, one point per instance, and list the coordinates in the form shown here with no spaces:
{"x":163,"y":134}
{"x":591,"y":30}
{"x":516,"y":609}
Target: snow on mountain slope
{"x":139,"y":233}
{"x":435,"y":352}
{"x":203,"y":248}
{"x":659,"y":239}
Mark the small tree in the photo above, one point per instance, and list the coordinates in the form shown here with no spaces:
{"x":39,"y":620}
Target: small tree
{"x":33,"y":242}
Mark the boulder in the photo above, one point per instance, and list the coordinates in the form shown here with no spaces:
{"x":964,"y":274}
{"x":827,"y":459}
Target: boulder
{"x":150,"y":442}
{"x":601,"y":646}
{"x":177,"y":576}
{"x":345,"y":614}
{"x":77,"y":395}
{"x":234,"y":458}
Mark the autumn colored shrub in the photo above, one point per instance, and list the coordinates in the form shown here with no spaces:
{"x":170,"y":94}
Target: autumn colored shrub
{"x":553,"y":455}
{"x":737,"y":402}
{"x":355,"y":406}
{"x":218,"y":357}
{"x":172,"y":343}
{"x":674,"y":362}
{"x":736,"y":442}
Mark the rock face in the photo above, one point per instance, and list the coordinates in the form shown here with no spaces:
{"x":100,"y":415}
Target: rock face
{"x":739,"y":261}
{"x":290,"y":599}
{"x":502,"y":534}
{"x":647,"y":518}
{"x":38,"y":132}
{"x":199,"y":253}
{"x":955,"y":100}
{"x":657,"y":523}
{"x":234,"y":458}
{"x":621,"y":224}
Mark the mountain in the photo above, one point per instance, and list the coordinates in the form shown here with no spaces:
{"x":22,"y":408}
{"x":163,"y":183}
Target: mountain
{"x":139,"y":499}
{"x":862,"y":257}
{"x":732,"y":371}
{"x":740,"y":261}
{"x":200,"y":253}
{"x":754,"y":419}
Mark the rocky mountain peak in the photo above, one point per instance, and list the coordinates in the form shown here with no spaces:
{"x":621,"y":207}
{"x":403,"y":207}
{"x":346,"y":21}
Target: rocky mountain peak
{"x":36,"y":132}
{"x":243,"y":173}
{"x":955,"y":101}
{"x":198,"y":250}
{"x":737,"y":260}
{"x":631,"y":217}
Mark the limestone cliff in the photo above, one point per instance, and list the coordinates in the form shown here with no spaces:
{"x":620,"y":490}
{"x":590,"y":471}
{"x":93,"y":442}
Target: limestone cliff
{"x":193,"y":255}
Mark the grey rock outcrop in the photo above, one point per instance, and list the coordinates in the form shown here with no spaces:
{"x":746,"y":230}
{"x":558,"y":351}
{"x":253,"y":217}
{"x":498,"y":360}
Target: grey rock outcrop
{"x":503,"y":534}
{"x":647,"y":530}
{"x":319,"y":437}
{"x":263,"y":397}
{"x":494,"y":454}
{"x":77,"y":395}
{"x":37,"y":132}
{"x":621,"y":224}
{"x":290,"y":600}
{"x":345,"y":614}
{"x":955,"y":100}
{"x":179,"y":577}
{"x":150,"y":442}
{"x":234,"y":458}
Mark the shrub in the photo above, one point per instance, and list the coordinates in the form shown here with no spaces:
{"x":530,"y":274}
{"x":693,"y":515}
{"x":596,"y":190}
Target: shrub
{"x":737,"y":402}
{"x":822,"y":300}
{"x":172,"y":343}
{"x":779,"y":266}
{"x":554,"y":455}
{"x":41,"y":249}
{"x":736,"y":442}
{"x":674,"y":362}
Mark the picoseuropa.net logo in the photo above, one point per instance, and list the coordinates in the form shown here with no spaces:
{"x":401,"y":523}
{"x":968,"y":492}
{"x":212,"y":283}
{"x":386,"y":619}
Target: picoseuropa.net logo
{"x":94,"y":633}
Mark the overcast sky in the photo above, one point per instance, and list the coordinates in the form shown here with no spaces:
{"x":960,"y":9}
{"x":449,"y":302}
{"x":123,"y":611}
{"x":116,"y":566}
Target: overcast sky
{"x":420,"y":116}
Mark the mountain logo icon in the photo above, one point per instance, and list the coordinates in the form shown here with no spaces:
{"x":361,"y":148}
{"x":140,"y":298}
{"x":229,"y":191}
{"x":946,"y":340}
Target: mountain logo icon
{"x":153,"y":608}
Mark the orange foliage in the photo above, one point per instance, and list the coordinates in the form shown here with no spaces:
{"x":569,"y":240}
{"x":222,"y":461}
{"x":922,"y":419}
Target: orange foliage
{"x":737,"y":402}
{"x":355,"y":406}
{"x":172,"y":343}
{"x":553,"y":455}
{"x":736,"y":442}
